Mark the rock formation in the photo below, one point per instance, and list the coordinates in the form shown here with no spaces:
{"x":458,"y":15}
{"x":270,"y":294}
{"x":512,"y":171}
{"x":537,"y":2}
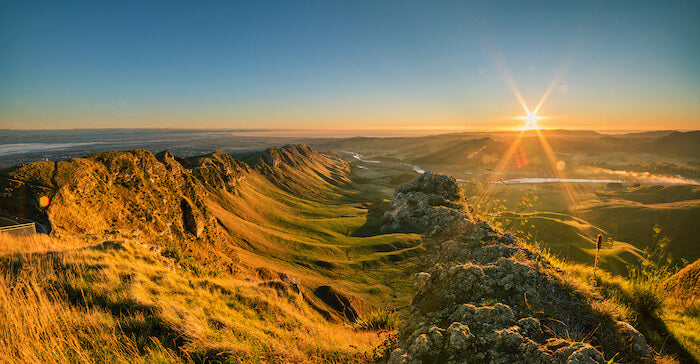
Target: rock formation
{"x":483,"y":297}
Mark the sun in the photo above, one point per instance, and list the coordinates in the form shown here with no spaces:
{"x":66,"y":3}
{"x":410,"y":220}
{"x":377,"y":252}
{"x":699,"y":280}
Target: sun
{"x":531,"y":121}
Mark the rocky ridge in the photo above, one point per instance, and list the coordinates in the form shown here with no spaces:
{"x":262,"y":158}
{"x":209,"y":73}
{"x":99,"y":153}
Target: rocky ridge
{"x":160,"y":198}
{"x":290,"y":167}
{"x":483,"y":297}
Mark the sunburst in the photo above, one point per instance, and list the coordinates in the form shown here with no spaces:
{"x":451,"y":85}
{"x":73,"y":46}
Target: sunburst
{"x":531,"y":121}
{"x":531,"y":118}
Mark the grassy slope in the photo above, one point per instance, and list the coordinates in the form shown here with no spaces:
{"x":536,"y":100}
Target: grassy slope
{"x":118,"y":301}
{"x":315,"y":240}
{"x":682,"y":314}
{"x":176,"y":307}
{"x":573,"y":239}
{"x":669,"y":324}
{"x":634,"y":221}
{"x":625,"y":215}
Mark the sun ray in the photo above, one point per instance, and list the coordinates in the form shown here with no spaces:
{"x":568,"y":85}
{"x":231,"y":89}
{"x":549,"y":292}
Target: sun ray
{"x":552,"y":85}
{"x":569,"y":192}
{"x":501,"y":67}
{"x":500,"y":168}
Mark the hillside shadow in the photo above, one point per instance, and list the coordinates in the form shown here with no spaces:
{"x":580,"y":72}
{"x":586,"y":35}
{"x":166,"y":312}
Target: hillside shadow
{"x":660,"y":337}
{"x":371,"y":227}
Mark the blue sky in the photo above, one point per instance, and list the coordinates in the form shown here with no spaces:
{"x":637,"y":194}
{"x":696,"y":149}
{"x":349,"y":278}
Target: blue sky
{"x":348,"y":64}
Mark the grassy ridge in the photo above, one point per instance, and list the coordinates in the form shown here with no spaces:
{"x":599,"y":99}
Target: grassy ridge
{"x":241,"y":291}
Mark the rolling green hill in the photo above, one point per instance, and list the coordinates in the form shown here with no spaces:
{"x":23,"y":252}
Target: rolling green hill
{"x":573,"y":239}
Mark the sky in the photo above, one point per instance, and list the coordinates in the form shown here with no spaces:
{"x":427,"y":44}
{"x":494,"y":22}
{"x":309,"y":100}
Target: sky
{"x":332,"y":65}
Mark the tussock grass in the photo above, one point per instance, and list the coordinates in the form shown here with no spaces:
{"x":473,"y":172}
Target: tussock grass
{"x":635,"y":293}
{"x":669,"y":323}
{"x":37,"y":243}
{"x":121,"y":303}
{"x":37,"y":325}
{"x":381,"y":319}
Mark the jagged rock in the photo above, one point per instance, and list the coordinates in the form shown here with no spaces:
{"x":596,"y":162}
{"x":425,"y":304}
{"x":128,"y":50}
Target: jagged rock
{"x":398,"y":356}
{"x":437,"y":335}
{"x":290,"y":167}
{"x":190,"y":218}
{"x":220,"y":171}
{"x":117,"y":192}
{"x":419,"y":204}
{"x":459,"y":336}
{"x":420,"y":346}
{"x":420,"y":279}
{"x":432,"y":184}
{"x":483,"y":297}
{"x":531,"y":327}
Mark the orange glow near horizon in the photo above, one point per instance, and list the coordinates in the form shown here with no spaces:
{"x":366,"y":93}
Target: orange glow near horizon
{"x":515,"y":150}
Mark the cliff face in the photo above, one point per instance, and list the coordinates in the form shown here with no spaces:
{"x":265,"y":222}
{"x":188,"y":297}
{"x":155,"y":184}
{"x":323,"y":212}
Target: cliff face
{"x":483,"y":297}
{"x":103,"y":192}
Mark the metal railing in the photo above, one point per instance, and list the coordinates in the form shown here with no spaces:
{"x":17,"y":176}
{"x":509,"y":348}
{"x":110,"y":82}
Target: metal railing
{"x":19,"y":229}
{"x":40,"y":228}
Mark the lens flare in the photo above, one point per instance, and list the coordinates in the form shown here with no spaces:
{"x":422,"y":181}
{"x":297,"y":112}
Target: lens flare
{"x":44,"y":201}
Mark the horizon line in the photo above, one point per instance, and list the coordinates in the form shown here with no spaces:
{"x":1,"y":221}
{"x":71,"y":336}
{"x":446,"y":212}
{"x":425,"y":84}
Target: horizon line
{"x":357,"y":129}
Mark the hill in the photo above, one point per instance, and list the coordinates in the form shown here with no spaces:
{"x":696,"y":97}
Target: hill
{"x":573,"y":239}
{"x":686,"y":283}
{"x":681,"y":143}
{"x":631,"y":221}
{"x":269,"y":250}
{"x":286,"y":255}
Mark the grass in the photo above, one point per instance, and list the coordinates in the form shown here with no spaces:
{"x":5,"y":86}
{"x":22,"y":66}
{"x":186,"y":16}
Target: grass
{"x":109,"y":298}
{"x":382,"y":319}
{"x":637,"y":296}
{"x":39,"y":243}
{"x":39,"y":324}
{"x":669,"y":325}
{"x":120,"y":302}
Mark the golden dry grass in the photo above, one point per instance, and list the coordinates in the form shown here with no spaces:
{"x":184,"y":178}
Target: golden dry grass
{"x":37,"y":325}
{"x":119,"y":302}
{"x":659,"y":316}
{"x":38,"y":243}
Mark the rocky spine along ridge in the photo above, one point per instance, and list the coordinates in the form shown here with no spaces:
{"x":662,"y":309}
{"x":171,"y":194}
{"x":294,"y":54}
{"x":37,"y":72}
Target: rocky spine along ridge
{"x":483,"y":297}
{"x":161,"y":198}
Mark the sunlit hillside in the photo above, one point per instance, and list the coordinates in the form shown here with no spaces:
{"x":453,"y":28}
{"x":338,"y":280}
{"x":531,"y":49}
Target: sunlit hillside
{"x":249,"y":287}
{"x":287,"y":255}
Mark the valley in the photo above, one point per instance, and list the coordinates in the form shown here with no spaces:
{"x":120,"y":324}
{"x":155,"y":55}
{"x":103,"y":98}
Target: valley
{"x":236,"y":268}
{"x":215,"y":258}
